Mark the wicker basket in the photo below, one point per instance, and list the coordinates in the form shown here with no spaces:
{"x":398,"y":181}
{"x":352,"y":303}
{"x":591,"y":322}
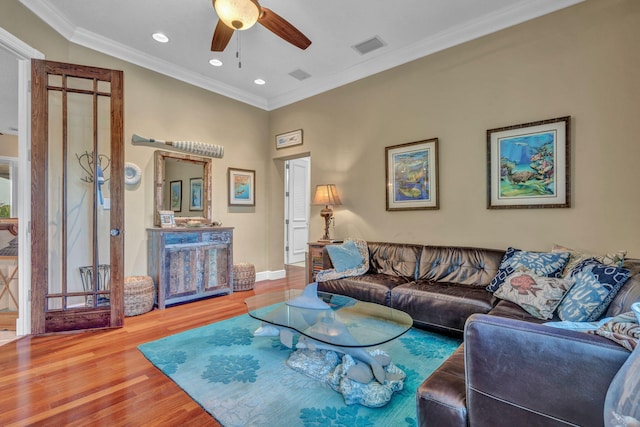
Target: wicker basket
{"x":244,"y":276}
{"x":139,"y":295}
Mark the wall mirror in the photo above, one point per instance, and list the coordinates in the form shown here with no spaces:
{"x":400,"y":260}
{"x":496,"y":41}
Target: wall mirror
{"x":183,"y":185}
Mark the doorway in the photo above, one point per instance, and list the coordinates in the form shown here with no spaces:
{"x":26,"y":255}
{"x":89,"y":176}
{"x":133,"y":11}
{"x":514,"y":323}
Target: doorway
{"x":297,"y":202}
{"x":17,"y":55}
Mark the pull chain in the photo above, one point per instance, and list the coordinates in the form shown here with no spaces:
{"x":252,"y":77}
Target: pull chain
{"x":238,"y":50}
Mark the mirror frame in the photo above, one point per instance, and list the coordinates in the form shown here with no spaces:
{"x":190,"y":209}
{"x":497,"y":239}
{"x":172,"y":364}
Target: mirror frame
{"x":160,"y":157}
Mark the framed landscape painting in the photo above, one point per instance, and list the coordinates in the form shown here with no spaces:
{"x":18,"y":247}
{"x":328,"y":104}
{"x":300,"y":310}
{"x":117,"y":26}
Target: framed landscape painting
{"x":528,"y":165}
{"x":411,"y":172}
{"x":195,"y":194}
{"x":175,"y":195}
{"x":289,"y":139}
{"x":242,"y":187}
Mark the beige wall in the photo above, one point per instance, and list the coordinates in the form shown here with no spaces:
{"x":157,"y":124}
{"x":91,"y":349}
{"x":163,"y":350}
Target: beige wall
{"x":161,"y":107}
{"x":582,"y":61}
{"x":8,"y":146}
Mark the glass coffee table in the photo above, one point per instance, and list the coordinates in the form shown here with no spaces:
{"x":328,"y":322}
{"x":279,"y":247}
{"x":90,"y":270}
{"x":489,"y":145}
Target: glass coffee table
{"x":335,"y":323}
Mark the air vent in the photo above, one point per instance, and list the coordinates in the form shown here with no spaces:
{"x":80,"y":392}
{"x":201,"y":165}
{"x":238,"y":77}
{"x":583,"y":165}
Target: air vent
{"x":299,"y":74}
{"x":369,"y":45}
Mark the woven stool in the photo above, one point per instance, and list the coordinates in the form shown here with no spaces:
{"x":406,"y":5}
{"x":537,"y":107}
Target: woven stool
{"x":244,"y":276}
{"x":139,"y":295}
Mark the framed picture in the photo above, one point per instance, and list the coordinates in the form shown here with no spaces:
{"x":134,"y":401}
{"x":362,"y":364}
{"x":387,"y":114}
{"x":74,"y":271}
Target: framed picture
{"x":242,"y":187}
{"x":411,"y":172}
{"x":288,"y":139}
{"x":528,"y":165}
{"x":195,"y":194}
{"x":167,"y":219}
{"x":175,"y":195}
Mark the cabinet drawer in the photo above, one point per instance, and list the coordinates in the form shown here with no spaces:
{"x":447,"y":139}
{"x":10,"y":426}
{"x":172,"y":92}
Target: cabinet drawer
{"x":181,"y":238}
{"x":217,"y":237}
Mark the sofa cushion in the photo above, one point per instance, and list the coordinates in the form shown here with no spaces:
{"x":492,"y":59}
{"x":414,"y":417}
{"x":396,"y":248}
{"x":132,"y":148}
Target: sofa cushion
{"x":467,"y":266}
{"x":344,"y":256}
{"x":512,"y":310}
{"x":541,"y":263}
{"x":394,"y":259}
{"x":444,"y":306}
{"x":537,"y":295}
{"x":595,"y":287}
{"x":629,"y":293}
{"x":368,"y":287}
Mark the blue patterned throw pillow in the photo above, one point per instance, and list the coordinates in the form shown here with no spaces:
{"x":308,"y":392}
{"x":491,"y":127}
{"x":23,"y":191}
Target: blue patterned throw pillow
{"x":344,"y":256}
{"x":596,"y":284}
{"x":540,"y":263}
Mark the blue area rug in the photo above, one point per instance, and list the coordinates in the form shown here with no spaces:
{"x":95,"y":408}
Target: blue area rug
{"x":243,"y":380}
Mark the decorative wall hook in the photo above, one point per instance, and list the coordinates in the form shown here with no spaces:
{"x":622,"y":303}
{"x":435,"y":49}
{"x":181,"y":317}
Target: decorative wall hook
{"x":86,"y":163}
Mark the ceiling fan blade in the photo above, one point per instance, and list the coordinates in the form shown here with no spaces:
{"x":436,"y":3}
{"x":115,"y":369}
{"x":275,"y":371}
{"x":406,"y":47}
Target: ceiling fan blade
{"x":283,"y":29}
{"x":221,"y":37}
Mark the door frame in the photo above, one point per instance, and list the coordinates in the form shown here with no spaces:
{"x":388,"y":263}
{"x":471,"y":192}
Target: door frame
{"x":287,"y":213}
{"x":24,"y":53}
{"x":95,"y":316}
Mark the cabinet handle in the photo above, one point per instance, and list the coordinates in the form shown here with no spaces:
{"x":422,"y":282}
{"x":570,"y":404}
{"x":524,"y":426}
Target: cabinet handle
{"x":114,"y":232}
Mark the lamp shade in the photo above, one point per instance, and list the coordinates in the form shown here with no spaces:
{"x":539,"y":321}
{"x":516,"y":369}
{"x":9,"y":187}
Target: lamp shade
{"x":238,"y":14}
{"x":326,"y":194}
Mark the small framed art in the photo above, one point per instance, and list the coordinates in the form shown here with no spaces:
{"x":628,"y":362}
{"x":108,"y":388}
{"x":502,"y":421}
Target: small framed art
{"x":195,"y":194}
{"x":242,"y":187}
{"x":528,"y":165}
{"x":167,"y":219}
{"x":175,"y":195}
{"x":411,"y":172}
{"x":289,"y":139}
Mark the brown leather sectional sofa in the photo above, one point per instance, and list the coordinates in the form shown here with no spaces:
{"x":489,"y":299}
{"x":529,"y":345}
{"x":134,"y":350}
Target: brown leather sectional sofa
{"x":510,"y":370}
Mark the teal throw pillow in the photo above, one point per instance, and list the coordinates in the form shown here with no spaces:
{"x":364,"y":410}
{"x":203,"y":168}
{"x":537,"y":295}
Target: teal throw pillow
{"x":345,"y":256}
{"x":595,"y":286}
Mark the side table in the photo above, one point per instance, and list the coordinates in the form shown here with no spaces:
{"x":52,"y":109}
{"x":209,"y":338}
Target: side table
{"x":314,"y":258}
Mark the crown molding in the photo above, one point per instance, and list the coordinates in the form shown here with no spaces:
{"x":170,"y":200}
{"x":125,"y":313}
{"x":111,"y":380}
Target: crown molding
{"x":499,"y":20}
{"x":83,"y":37}
{"x":105,"y":45}
{"x":504,"y":18}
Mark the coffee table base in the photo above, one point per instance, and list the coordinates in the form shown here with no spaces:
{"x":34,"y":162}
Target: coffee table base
{"x":338,"y":371}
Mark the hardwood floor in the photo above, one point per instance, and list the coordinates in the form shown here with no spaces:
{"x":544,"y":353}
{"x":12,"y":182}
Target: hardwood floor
{"x":100,"y":378}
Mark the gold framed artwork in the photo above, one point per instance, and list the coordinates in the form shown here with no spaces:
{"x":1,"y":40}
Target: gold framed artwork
{"x":411,"y":172}
{"x":528,"y":165}
{"x":289,"y":139}
{"x":242,"y":187}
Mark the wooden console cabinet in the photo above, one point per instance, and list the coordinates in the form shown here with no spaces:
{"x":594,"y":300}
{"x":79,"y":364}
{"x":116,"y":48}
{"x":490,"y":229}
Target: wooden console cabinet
{"x":190,"y":263}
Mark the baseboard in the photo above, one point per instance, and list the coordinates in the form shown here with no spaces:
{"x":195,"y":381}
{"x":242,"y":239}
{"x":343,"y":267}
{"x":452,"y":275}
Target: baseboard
{"x":270,"y":275}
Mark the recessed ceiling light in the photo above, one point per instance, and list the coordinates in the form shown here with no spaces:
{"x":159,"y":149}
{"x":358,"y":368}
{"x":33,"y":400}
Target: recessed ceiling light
{"x":215,"y":62}
{"x":259,"y":81}
{"x":159,"y":37}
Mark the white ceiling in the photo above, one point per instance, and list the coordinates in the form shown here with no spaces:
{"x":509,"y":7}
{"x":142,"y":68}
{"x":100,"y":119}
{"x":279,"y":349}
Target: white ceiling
{"x":410,"y":29}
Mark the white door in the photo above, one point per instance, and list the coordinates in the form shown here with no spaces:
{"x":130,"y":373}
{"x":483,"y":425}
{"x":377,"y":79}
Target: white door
{"x":297,"y":201}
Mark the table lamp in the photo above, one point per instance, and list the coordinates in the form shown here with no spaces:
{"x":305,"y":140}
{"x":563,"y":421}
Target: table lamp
{"x":326,"y":194}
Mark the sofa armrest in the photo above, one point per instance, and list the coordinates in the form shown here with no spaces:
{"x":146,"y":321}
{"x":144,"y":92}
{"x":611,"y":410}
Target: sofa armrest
{"x":520,"y":373}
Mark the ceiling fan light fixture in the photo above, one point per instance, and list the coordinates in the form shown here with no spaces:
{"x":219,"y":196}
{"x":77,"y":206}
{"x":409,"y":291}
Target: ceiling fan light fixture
{"x":237,"y":14}
{"x":160,"y":37}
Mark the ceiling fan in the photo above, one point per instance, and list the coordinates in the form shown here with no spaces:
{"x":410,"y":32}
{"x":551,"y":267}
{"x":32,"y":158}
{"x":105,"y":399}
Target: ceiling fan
{"x":243,"y":14}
